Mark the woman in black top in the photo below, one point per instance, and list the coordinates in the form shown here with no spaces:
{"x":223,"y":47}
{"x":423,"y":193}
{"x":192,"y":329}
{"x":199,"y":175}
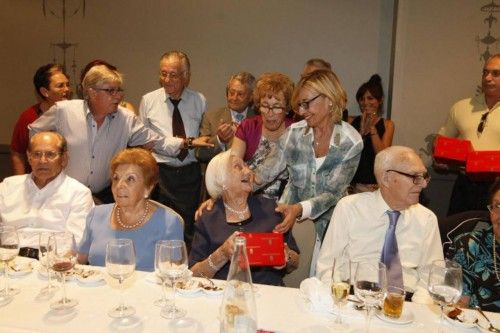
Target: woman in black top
{"x":376,"y":131}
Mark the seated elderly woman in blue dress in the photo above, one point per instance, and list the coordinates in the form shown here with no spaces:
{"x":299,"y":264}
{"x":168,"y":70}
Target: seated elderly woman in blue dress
{"x":478,"y":252}
{"x":134,"y":173}
{"x":229,"y":181}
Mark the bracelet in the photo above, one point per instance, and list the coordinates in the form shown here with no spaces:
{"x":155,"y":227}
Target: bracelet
{"x":190,"y":142}
{"x":211,"y":264}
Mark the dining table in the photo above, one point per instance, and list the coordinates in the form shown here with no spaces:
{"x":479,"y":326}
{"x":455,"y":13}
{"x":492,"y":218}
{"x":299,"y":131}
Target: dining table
{"x":279,"y":309}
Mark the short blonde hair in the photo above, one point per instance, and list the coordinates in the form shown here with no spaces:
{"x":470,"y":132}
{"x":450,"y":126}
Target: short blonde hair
{"x":216,"y":173}
{"x":98,"y":76}
{"x":140,"y":157}
{"x":326,"y":83}
{"x":271,"y":84}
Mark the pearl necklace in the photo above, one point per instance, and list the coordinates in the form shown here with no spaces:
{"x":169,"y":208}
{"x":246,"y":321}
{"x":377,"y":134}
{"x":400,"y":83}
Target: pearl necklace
{"x":135,"y":225}
{"x":239,"y":213}
{"x":495,"y":257}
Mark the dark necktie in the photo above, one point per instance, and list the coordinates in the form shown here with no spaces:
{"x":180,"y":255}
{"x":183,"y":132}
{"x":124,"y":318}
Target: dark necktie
{"x":239,"y":117}
{"x":178,"y":127}
{"x":390,"y":254}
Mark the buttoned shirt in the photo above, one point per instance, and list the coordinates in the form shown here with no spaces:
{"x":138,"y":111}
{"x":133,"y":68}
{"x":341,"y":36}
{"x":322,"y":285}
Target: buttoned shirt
{"x":90,"y":148}
{"x":156,"y":112}
{"x":317,"y":188}
{"x":464,"y":118}
{"x":358,"y":227}
{"x":62,"y":204}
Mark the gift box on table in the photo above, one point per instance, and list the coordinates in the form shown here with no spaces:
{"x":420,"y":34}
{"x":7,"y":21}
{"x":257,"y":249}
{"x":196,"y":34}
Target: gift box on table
{"x":451,"y":151}
{"x":265,"y":249}
{"x":483,"y":165}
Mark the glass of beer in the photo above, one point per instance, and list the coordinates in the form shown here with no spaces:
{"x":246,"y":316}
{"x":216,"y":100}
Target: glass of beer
{"x":393,"y":302}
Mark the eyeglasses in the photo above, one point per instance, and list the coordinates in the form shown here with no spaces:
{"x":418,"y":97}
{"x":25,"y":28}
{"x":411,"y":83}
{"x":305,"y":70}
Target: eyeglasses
{"x":494,"y":208}
{"x":417,"y":179}
{"x":49,"y":155}
{"x":494,"y":72}
{"x":482,"y":123}
{"x":171,"y":75}
{"x":305,"y":104}
{"x":271,"y":109}
{"x":111,"y":91}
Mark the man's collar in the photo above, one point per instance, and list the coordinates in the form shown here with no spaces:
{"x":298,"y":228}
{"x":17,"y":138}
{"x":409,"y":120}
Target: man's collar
{"x":53,"y":183}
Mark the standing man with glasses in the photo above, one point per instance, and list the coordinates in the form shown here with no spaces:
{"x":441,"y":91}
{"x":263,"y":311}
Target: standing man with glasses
{"x":220,"y":124}
{"x":387,"y":225}
{"x":175,"y":111}
{"x":45,"y":199}
{"x":97,"y":128}
{"x":476,"y":119}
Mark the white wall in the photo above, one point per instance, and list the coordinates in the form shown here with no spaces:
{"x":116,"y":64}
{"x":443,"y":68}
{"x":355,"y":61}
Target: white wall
{"x":437,"y":63}
{"x":220,"y":36}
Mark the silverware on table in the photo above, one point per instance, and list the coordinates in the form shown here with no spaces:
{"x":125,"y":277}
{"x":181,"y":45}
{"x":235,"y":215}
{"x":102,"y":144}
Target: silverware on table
{"x":491,"y":328}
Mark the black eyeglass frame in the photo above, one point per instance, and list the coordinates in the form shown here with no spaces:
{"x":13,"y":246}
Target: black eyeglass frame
{"x":415,"y":178}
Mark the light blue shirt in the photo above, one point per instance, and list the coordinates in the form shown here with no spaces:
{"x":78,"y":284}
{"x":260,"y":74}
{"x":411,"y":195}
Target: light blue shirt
{"x":163,"y":225}
{"x":156,"y":112}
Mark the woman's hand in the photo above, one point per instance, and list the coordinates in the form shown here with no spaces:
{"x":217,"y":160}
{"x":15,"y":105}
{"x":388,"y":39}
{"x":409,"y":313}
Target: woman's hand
{"x":228,"y":246}
{"x":291,"y":260}
{"x":207,"y":204}
{"x":202,"y":141}
{"x":290,"y":214}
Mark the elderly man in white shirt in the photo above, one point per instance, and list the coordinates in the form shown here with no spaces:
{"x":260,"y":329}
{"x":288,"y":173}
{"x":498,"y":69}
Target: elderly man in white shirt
{"x":360,"y":223}
{"x":46,"y":199}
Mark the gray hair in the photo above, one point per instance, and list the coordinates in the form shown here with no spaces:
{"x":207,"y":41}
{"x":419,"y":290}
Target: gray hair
{"x":389,"y":158}
{"x":99,"y":75}
{"x":216,"y":174}
{"x":245,"y":78}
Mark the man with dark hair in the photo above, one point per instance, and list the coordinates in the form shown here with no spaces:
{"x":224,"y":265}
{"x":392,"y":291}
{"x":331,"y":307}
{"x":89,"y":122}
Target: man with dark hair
{"x":475,"y":119}
{"x":174,"y":110}
{"x":51,"y":86}
{"x":46,"y":199}
{"x":220,"y":124}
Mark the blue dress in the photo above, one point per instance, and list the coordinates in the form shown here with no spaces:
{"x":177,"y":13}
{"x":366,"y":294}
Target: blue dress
{"x":164,"y":224}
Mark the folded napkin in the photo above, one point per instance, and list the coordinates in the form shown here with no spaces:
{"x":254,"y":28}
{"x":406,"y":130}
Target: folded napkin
{"x":318,"y":295}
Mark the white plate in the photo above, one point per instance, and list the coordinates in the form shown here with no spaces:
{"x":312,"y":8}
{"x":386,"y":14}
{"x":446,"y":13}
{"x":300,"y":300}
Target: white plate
{"x":467,"y":318}
{"x":407,"y":317}
{"x":206,"y":287}
{"x":20,"y":266}
{"x":192,"y":286}
{"x":90,"y":277}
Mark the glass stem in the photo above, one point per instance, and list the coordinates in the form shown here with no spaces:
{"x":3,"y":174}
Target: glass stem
{"x":338,"y":320}
{"x":174,"y":287}
{"x":121,"y":305}
{"x":441,"y":319}
{"x":369,"y":312}
{"x":49,"y":279}
{"x":164,"y":287}
{"x":6,"y":278}
{"x":63,"y":282}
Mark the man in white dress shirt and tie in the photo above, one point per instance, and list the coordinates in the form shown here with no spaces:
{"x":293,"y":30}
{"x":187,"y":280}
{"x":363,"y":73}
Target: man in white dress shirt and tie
{"x":388,"y":225}
{"x":174,"y":110}
{"x":220,"y":124}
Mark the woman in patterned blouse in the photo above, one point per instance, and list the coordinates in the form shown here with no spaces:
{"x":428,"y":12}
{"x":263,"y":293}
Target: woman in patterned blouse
{"x":478,"y":253}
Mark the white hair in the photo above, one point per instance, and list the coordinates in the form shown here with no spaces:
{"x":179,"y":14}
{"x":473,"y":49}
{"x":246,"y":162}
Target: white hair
{"x":389,"y":158}
{"x":216,"y":173}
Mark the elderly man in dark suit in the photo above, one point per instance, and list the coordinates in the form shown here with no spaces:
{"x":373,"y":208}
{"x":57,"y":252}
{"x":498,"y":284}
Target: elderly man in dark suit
{"x":220,"y":124}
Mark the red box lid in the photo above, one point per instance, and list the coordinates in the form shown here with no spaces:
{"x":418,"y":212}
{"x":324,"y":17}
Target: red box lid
{"x":451,"y":150}
{"x":483,"y":162}
{"x":265,"y":249}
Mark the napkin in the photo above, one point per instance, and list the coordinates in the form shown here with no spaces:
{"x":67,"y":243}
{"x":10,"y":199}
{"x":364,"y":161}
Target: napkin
{"x":318,"y":295}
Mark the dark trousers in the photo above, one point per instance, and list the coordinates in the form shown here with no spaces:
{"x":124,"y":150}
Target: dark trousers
{"x":179,"y":188}
{"x":468,"y":195}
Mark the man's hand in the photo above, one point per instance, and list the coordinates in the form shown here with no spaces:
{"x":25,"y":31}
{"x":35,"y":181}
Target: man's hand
{"x":290,"y":214}
{"x":202,"y":141}
{"x":208,"y":205}
{"x":225,"y":131}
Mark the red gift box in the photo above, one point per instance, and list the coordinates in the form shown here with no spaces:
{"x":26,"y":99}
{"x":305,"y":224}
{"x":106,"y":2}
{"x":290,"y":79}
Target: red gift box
{"x":451,"y":151}
{"x":265,"y":249}
{"x":483,"y":165}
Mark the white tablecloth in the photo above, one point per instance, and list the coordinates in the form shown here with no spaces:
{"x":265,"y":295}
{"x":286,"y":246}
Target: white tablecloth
{"x":279,"y":309}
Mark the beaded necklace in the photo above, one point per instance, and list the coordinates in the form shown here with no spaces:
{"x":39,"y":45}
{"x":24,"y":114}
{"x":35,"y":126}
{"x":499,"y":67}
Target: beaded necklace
{"x":239,"y":213}
{"x":135,"y":225}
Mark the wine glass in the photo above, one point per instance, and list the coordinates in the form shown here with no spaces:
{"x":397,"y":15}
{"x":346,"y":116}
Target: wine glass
{"x":445,"y":284}
{"x":340,"y":285}
{"x":9,"y":249}
{"x":172,"y":264}
{"x":163,"y":301}
{"x":120,"y":264}
{"x":370,"y":283}
{"x":61,"y":250}
{"x":43,"y":239}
